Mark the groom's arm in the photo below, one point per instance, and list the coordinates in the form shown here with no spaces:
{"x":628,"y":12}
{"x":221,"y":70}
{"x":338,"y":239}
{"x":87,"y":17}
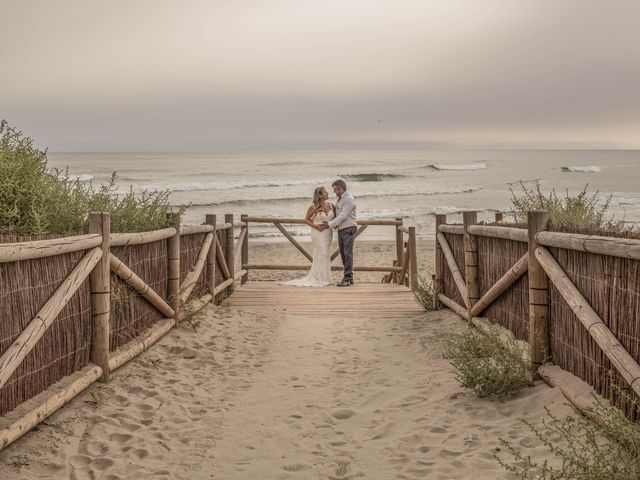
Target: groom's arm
{"x":347,"y":208}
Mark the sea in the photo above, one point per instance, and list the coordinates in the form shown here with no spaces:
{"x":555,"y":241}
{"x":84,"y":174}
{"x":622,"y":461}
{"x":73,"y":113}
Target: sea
{"x":414,"y":185}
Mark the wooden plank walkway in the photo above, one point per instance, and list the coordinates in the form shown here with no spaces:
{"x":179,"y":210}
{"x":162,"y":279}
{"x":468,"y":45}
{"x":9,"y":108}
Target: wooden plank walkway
{"x":373,"y":299}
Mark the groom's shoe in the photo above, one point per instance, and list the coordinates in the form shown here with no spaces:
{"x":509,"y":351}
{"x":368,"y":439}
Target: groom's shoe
{"x":345,"y":283}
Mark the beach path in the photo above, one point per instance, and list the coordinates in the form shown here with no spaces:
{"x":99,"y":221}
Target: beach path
{"x":287,"y":383}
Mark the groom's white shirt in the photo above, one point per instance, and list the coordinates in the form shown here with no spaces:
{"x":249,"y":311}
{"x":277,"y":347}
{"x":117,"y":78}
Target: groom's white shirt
{"x":345,"y":212}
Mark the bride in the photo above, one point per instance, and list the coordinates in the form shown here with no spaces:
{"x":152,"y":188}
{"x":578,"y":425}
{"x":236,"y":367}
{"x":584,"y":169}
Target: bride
{"x":320,"y":211}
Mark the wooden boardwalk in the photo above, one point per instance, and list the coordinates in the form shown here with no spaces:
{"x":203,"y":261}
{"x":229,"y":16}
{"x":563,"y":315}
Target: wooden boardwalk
{"x":371,"y":299}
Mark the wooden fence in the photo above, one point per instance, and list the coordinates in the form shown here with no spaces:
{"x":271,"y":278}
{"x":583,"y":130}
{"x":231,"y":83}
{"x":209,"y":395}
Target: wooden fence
{"x":74,"y":309}
{"x":404,"y":269}
{"x":574,"y":298}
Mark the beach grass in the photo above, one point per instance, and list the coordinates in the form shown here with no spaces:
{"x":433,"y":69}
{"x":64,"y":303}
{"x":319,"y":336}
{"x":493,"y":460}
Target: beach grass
{"x":38,"y":200}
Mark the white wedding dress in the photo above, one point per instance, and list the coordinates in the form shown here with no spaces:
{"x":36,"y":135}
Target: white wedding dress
{"x":320,"y":273}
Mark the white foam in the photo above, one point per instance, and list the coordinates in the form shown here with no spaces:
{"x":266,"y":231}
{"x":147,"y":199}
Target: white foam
{"x":459,"y":167}
{"x":582,"y":169}
{"x":228,"y":185}
{"x":82,"y":178}
{"x":387,"y":213}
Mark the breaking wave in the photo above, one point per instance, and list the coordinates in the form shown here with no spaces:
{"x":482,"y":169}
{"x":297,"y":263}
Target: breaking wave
{"x":371,"y":177}
{"x":582,"y":169}
{"x":458,"y":167}
{"x":228,"y":185}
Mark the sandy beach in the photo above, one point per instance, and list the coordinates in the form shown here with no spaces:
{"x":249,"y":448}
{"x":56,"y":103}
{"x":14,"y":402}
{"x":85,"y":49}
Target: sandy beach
{"x":246,"y":394}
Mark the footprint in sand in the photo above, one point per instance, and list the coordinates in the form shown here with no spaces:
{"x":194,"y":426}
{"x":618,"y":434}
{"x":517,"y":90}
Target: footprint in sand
{"x":342,"y":470}
{"x":295,"y":467}
{"x":79,"y":461}
{"x":343,"y":414}
{"x":120,"y":437}
{"x":412,"y":400}
{"x":438,"y":430}
{"x":101,"y":463}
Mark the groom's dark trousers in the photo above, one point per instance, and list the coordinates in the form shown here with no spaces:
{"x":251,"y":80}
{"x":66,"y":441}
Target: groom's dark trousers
{"x":346,"y":237}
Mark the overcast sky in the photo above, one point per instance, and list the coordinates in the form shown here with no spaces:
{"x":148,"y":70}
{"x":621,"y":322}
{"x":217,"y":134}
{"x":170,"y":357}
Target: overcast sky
{"x":208,"y":75}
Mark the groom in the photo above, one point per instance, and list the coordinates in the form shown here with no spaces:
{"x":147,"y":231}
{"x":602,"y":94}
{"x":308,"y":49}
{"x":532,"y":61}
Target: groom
{"x":345,"y":222}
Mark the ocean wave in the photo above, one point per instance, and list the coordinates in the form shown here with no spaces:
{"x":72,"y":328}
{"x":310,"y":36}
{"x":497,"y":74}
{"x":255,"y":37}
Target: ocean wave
{"x":284,"y":164}
{"x":428,"y":190}
{"x":387,"y":213}
{"x":81,"y":178}
{"x":458,"y":167}
{"x":449,"y":210}
{"x":371,"y":177}
{"x":582,"y":169}
{"x":276,"y":233}
{"x":228,"y":185}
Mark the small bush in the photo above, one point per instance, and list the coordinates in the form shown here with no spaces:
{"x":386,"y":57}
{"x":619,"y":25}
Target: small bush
{"x":606,"y":447}
{"x":36,"y":200}
{"x":582,"y":210}
{"x":484,"y":364}
{"x":426,"y":296}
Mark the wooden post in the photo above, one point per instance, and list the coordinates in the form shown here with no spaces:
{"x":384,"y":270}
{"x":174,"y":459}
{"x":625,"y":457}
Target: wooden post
{"x":438,"y":282}
{"x":399,"y":250}
{"x":538,"y":294}
{"x":230,"y":253}
{"x":100,"y":284}
{"x":173,"y":267}
{"x":211,"y":256}
{"x":413,"y":258}
{"x":471,"y":259}
{"x":499,"y":217}
{"x":244,"y":252}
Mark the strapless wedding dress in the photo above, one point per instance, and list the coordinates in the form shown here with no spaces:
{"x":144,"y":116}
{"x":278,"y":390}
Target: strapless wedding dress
{"x":320,"y":273}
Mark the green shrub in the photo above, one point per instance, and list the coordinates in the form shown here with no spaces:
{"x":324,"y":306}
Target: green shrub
{"x":582,"y":210}
{"x":484,"y":364}
{"x":37,"y":200}
{"x":426,"y":296}
{"x":606,"y":447}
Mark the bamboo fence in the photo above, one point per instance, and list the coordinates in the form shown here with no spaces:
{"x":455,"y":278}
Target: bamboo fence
{"x":76,"y":308}
{"x":24,"y":287}
{"x":574,"y":297}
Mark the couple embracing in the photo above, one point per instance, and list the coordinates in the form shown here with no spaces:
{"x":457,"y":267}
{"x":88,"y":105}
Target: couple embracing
{"x":323,"y":217}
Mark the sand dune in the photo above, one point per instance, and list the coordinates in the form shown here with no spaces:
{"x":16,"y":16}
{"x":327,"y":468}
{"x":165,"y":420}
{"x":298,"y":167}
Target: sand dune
{"x":251,"y":395}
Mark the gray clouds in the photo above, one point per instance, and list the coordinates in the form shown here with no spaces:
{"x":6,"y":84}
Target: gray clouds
{"x":206,"y":74}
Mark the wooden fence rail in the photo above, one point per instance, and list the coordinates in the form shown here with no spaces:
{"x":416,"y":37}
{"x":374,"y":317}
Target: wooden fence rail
{"x":547,"y":278}
{"x":404,"y":269}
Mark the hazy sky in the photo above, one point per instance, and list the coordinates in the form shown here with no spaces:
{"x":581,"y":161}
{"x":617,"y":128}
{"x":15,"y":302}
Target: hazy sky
{"x":207,"y":74}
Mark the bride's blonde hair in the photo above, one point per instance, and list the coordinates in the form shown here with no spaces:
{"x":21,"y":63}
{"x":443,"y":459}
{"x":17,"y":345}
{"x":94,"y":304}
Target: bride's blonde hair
{"x":317,"y":199}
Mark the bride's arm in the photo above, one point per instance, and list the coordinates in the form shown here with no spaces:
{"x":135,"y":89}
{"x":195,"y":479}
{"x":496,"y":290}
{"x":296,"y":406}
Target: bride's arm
{"x":308,"y":219}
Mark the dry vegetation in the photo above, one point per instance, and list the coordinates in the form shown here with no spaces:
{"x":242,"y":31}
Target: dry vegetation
{"x":605,"y":447}
{"x":35,"y":199}
{"x":486,"y":365}
{"x":583,"y":210}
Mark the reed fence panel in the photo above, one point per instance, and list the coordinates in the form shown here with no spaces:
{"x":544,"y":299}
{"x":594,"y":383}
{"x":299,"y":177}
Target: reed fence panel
{"x":222,"y":240}
{"x":611,"y":285}
{"x":511,"y":309}
{"x":190,"y":246}
{"x":456,"y":242}
{"x":131,"y":314}
{"x":64,"y":348}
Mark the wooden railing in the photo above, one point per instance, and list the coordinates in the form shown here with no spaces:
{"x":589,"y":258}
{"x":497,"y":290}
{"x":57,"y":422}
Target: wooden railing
{"x":543,"y":270}
{"x":403,"y":270}
{"x":97,"y":265}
